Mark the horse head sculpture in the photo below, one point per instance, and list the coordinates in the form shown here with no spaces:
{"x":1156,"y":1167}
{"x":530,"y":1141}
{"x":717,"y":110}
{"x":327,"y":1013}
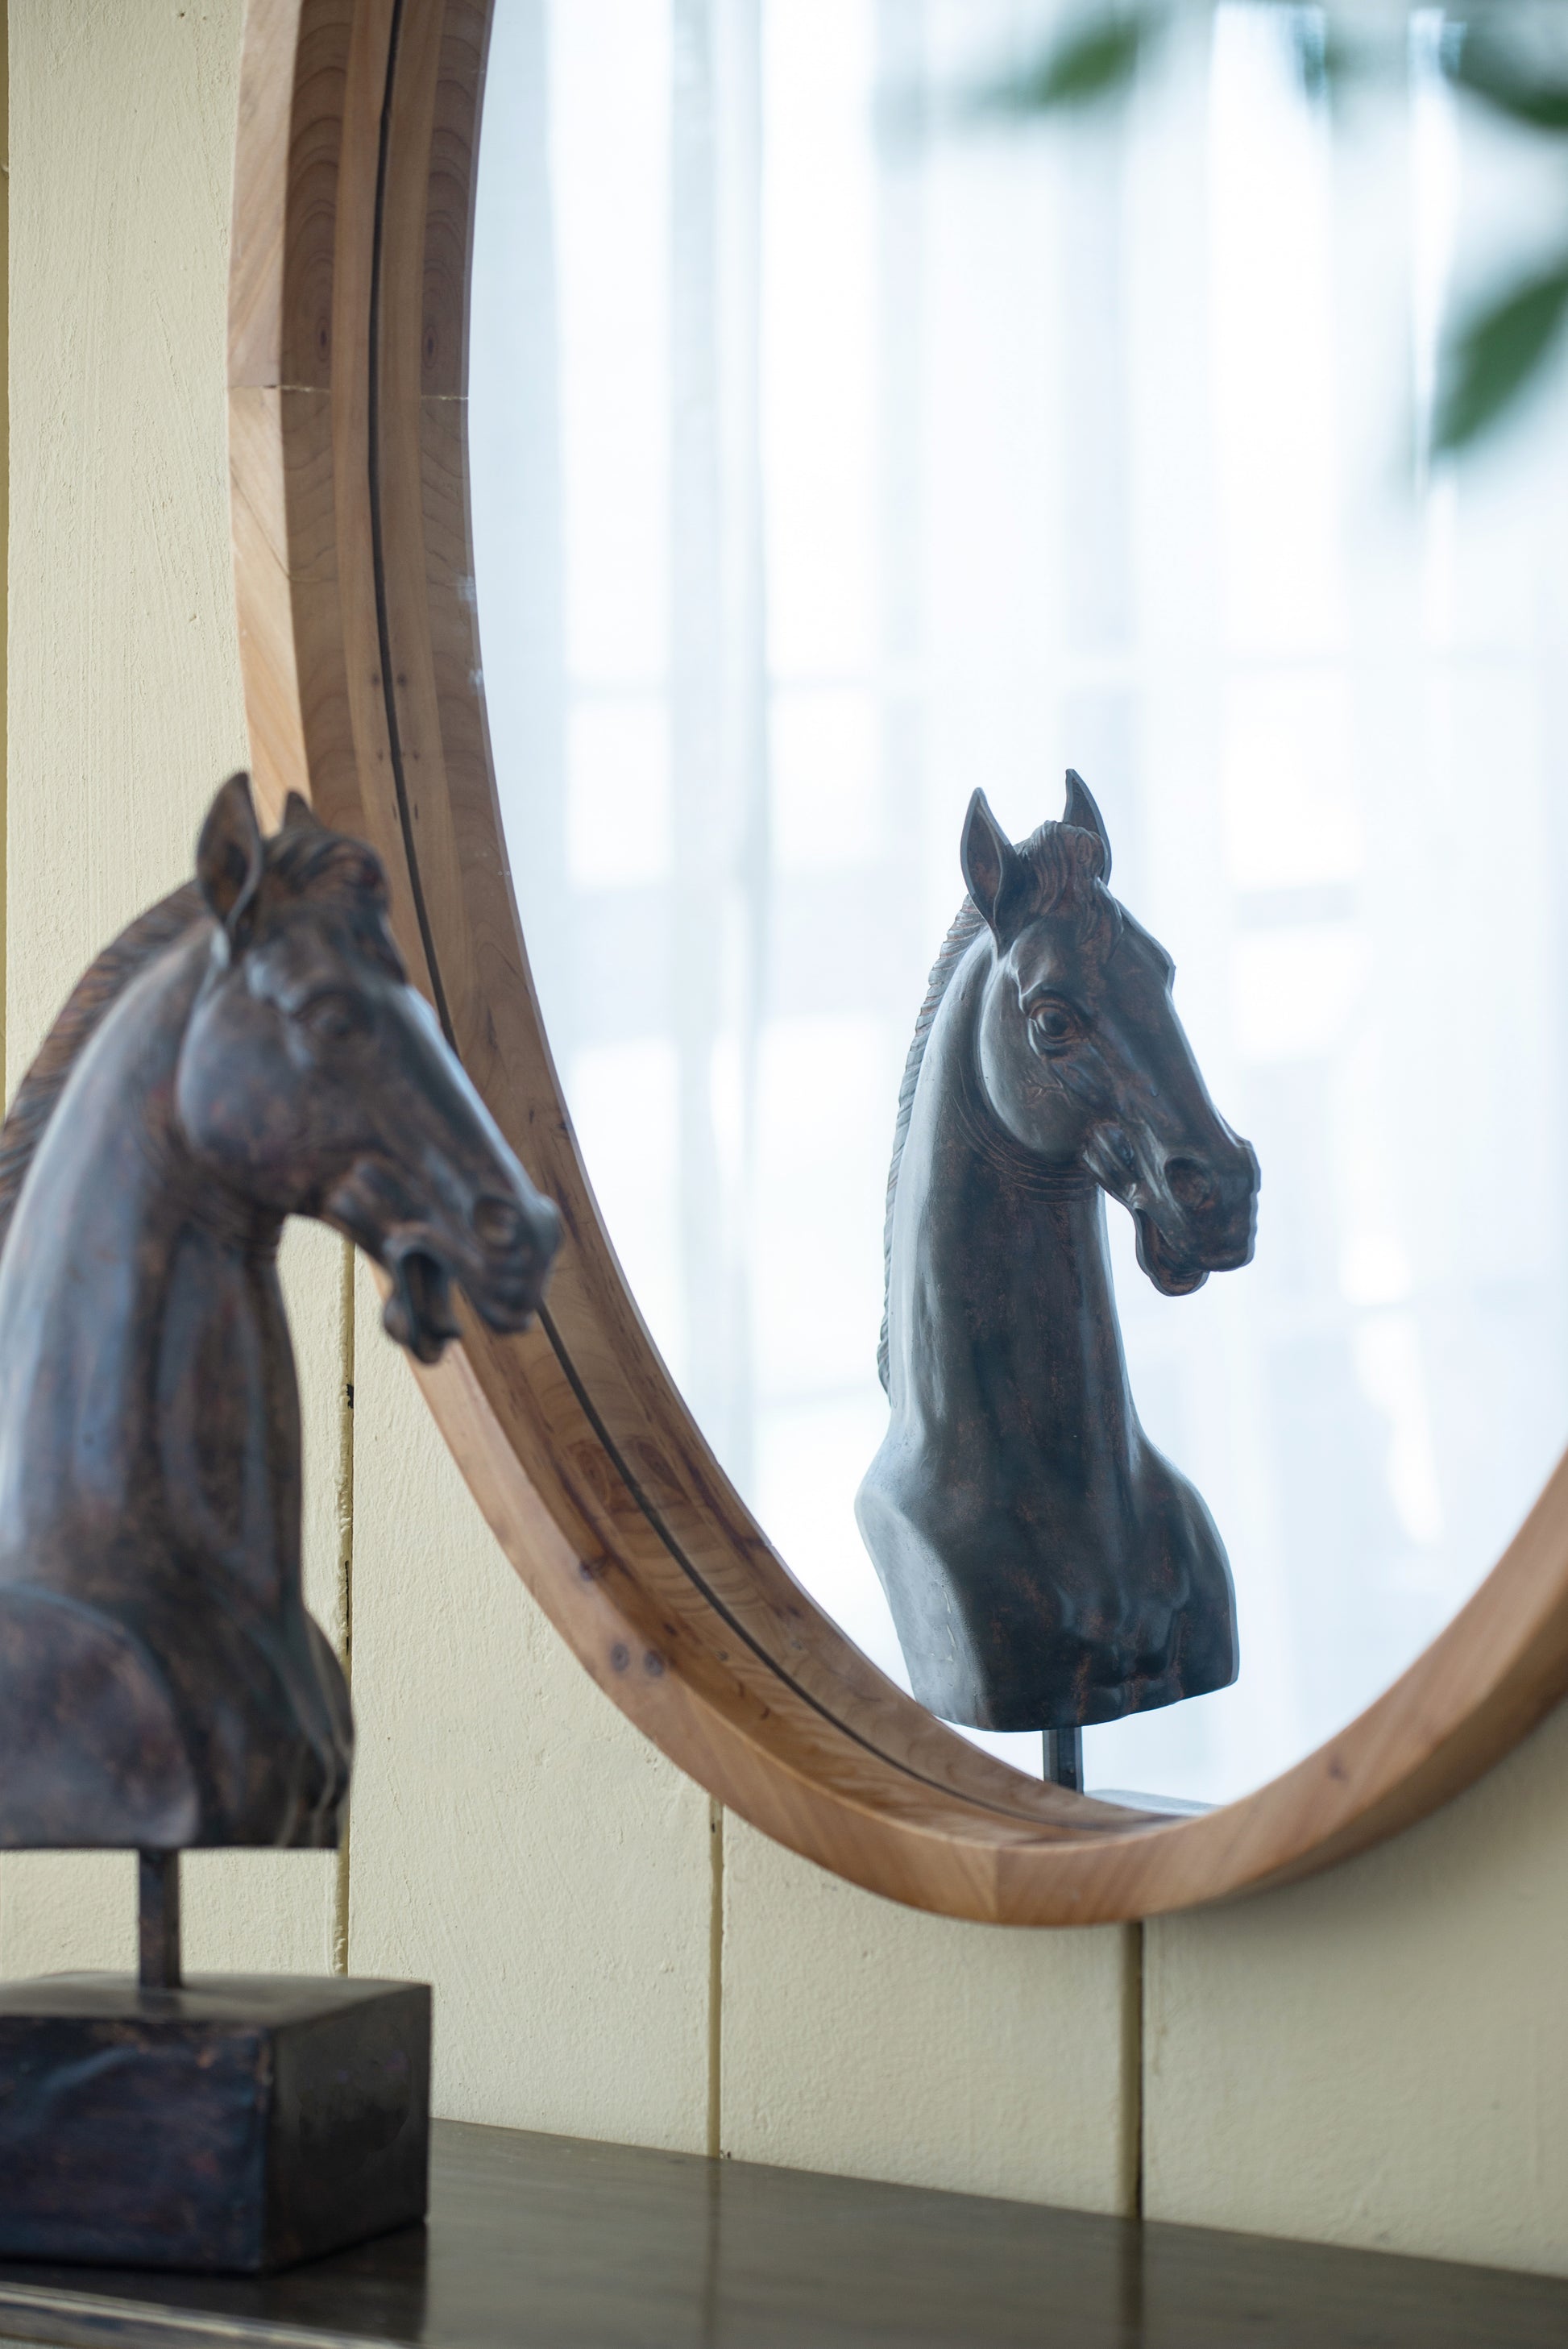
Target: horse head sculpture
{"x":249,"y":1049}
{"x":1044,"y":1566}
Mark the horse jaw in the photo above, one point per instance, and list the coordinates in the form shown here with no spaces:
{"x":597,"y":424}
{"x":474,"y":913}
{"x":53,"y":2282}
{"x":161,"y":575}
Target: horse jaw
{"x":418,"y":1312}
{"x":1172,"y":1275}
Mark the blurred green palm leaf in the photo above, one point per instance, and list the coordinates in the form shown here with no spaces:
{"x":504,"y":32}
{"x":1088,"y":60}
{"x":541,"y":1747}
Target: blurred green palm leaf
{"x":1490,"y":356}
{"x":1097,"y":58}
{"x":1487,"y":362}
{"x":1493,"y":72}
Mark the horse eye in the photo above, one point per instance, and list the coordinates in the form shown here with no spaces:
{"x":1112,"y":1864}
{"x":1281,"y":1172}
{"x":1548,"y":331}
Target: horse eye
{"x":1053,"y":1022}
{"x":333,"y":1016}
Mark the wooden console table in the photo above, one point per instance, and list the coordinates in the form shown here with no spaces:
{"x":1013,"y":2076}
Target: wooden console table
{"x":546,"y":2242}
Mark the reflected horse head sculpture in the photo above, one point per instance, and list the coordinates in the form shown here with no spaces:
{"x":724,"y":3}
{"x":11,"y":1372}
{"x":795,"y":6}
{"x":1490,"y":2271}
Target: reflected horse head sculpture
{"x":1044,"y":1566}
{"x":247,"y":1049}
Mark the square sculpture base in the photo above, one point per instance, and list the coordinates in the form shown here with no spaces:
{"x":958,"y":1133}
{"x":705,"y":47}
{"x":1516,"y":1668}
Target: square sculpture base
{"x":241,"y":2123}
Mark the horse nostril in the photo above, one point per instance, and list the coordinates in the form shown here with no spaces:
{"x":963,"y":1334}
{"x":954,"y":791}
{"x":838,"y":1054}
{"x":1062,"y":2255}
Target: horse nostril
{"x":501,"y":1225}
{"x":1191,"y":1182}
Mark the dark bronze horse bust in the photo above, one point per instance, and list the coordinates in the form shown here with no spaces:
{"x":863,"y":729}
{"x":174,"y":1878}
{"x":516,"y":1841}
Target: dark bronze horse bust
{"x":247,"y":1050}
{"x":1046,"y":1567}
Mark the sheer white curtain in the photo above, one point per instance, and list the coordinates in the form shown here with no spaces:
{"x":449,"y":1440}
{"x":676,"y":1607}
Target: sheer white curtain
{"x":820,"y":475}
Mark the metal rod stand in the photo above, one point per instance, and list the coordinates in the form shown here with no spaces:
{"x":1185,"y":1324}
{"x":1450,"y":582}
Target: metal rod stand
{"x":1064,"y":1758}
{"x":157,"y":1878}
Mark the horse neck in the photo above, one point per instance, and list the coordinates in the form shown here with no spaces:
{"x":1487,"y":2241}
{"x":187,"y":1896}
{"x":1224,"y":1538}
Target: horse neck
{"x":149,"y":1415}
{"x":1016,"y":1250}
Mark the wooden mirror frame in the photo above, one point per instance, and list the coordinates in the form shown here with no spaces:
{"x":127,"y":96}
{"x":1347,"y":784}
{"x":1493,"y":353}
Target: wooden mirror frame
{"x":351,"y":229}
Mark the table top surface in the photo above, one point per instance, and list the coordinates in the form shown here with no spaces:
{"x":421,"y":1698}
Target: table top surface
{"x":549,"y":2243}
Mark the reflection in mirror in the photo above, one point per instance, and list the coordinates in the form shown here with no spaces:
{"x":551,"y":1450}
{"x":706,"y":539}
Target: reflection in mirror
{"x":822,"y":474}
{"x":1045,"y":1567}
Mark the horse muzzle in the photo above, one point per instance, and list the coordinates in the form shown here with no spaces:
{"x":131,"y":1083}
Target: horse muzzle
{"x":1203,"y":1220}
{"x":499,"y":1253}
{"x":502,"y":1262}
{"x":505,"y":1281}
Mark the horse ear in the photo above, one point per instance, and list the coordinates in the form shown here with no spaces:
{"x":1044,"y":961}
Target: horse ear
{"x":1084,"y":816}
{"x":993,"y":867}
{"x":297,"y":810}
{"x":229,"y":858}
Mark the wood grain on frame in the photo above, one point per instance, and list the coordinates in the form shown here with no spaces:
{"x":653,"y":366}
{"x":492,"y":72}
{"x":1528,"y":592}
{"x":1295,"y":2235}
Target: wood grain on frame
{"x":353,"y":224}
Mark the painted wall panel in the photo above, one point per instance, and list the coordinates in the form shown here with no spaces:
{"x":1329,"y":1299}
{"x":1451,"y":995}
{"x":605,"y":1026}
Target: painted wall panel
{"x":865,"y":2038}
{"x":125,"y":699}
{"x":514,"y":1840}
{"x":1380,"y":2056}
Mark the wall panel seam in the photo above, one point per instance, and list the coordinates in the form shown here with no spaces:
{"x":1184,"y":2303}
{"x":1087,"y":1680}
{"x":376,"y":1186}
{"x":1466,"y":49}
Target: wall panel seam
{"x":345,"y":1515}
{"x":715,"y":1979}
{"x":1133,"y":2097}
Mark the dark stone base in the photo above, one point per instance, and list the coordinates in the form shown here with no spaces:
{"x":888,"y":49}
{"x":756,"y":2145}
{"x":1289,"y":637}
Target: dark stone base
{"x":240,"y":2124}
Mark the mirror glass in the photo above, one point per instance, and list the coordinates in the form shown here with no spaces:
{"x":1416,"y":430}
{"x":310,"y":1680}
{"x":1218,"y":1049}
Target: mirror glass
{"x":842,"y":442}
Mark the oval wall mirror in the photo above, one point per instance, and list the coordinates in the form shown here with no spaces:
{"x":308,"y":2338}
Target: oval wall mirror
{"x":682,"y":448}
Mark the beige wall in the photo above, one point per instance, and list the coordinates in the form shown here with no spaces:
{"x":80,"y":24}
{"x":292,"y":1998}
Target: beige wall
{"x":1381,"y":2057}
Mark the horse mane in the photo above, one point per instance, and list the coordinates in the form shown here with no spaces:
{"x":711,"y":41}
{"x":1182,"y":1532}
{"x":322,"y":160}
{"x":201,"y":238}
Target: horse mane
{"x":99,"y":987}
{"x":966,"y":925}
{"x":1065,"y":864}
